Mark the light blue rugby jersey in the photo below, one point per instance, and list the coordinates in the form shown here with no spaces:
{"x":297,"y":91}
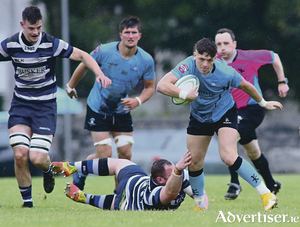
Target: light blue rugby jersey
{"x":34,"y":65}
{"x":143,"y":194}
{"x":125,"y":75}
{"x":214,"y":98}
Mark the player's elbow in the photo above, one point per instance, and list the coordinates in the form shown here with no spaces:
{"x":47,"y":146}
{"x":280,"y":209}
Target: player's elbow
{"x":168,"y":197}
{"x":161,"y":87}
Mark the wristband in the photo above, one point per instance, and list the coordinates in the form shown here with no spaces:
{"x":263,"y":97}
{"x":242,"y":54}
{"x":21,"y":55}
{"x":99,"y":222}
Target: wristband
{"x":183,"y":94}
{"x":285,"y":81}
{"x":176,"y":175}
{"x":139,"y":100}
{"x":69,"y":90}
{"x":176,"y":171}
{"x":262,"y":103}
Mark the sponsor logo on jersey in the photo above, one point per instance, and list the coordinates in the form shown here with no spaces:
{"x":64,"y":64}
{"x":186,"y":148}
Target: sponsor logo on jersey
{"x":97,"y":49}
{"x":183,"y":68}
{"x":31,"y":70}
{"x":30,"y":48}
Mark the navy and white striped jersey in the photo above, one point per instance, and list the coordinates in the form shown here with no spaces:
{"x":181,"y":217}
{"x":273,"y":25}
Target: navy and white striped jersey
{"x":143,"y":194}
{"x":34,"y":65}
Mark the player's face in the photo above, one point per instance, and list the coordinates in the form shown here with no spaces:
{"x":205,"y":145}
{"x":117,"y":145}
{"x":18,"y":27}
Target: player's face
{"x":204,"y":62}
{"x":130,"y":37}
{"x":167,"y":174}
{"x":32,"y":31}
{"x":226,"y":46}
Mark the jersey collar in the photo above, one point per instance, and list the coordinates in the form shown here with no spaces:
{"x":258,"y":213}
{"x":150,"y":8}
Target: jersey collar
{"x":25,"y":46}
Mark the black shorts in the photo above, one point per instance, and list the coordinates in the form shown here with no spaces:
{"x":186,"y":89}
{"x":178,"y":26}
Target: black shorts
{"x":41,"y":117}
{"x":249,"y":118}
{"x":107,"y":123}
{"x":198,"y":128}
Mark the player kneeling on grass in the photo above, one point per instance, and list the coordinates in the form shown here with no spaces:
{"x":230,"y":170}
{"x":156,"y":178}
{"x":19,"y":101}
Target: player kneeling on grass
{"x":165,"y":189}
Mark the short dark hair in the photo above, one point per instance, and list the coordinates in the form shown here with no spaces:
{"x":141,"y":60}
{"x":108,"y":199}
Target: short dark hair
{"x":158,"y":167}
{"x":32,"y":14}
{"x":130,"y":22}
{"x":206,"y":45}
{"x":224,"y":30}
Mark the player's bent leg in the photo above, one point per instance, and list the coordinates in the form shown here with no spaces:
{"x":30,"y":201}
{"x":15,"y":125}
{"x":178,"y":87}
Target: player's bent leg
{"x":103,"y":150}
{"x":249,"y":174}
{"x":97,"y":166}
{"x":262,"y":165}
{"x":39,"y":148}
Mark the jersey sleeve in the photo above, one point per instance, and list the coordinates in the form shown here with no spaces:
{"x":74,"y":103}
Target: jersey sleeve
{"x":149,"y":73}
{"x":4,"y":56}
{"x":96,"y":54}
{"x":259,"y":57}
{"x":62,"y":48}
{"x":184,"y":68}
{"x":237,"y":79}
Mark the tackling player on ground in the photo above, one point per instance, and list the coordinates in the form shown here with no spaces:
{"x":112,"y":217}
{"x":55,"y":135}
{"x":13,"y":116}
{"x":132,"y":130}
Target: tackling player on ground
{"x":165,"y":189}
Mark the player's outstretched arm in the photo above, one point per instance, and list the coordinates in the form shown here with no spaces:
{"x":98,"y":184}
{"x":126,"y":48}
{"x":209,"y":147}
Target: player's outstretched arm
{"x":174,"y":183}
{"x":90,"y":62}
{"x":251,"y":90}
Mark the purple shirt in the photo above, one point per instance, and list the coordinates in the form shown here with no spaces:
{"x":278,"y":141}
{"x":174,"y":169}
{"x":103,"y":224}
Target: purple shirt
{"x":247,"y":62}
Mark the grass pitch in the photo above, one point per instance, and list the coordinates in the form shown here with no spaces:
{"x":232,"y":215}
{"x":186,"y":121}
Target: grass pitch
{"x":56,"y":209}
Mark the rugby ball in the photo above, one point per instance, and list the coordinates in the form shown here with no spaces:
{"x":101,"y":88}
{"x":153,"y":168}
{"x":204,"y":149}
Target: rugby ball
{"x":185,"y":83}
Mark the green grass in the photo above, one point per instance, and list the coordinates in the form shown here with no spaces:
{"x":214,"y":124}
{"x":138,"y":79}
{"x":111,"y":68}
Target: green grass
{"x":56,"y":209}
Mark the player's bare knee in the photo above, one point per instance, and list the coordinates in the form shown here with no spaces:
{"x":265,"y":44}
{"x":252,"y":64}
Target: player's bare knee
{"x":228,"y":160}
{"x":253,"y":154}
{"x":125,"y":154}
{"x":21,"y":158}
{"x":40,"y":160}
